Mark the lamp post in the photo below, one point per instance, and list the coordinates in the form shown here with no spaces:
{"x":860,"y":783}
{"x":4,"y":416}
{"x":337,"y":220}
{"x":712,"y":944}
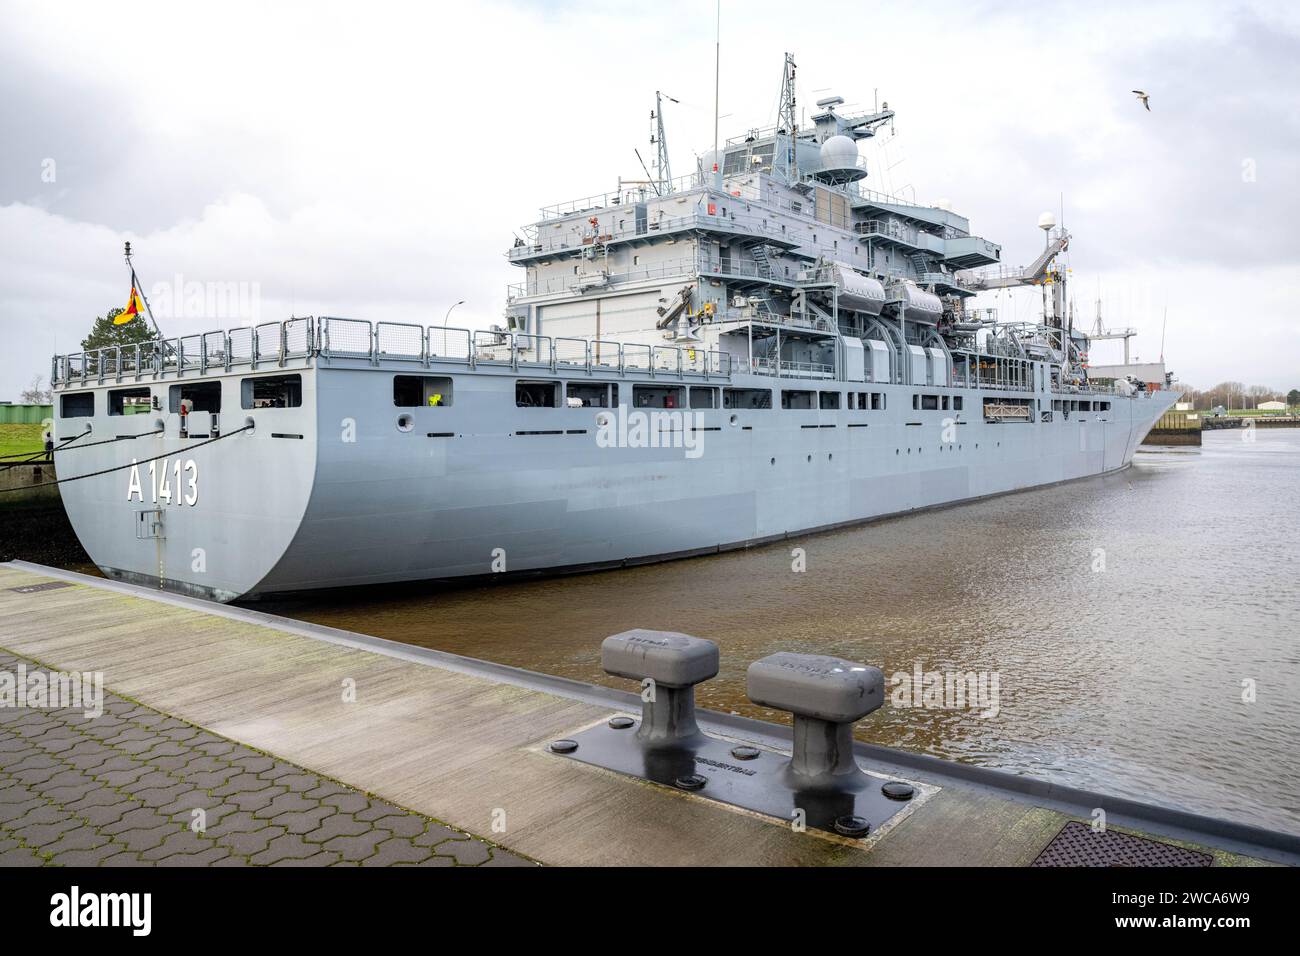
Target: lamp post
{"x":448,"y":315}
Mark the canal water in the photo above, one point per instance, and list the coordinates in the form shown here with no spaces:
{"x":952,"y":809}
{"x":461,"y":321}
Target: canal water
{"x":1143,"y":628}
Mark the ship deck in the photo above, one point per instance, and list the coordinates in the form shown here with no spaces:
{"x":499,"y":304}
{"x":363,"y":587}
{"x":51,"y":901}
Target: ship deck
{"x":464,"y":741}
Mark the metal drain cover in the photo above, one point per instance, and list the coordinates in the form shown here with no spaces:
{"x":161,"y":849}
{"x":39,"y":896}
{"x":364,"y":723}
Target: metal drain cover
{"x":47,"y":586}
{"x":1078,"y":844}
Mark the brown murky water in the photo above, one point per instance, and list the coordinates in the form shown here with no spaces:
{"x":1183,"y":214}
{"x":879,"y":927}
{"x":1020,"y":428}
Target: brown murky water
{"x":1121,"y":615}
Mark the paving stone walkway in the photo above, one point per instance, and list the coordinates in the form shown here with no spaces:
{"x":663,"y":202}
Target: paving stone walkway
{"x":136,"y":787}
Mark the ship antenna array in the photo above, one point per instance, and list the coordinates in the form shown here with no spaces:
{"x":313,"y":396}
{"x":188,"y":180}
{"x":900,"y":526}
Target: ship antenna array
{"x":787,"y":121}
{"x":663,"y":174}
{"x":717,"y":92}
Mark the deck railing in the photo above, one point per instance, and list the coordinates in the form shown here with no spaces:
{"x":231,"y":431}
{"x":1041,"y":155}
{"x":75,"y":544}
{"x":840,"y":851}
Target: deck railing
{"x":338,"y":339}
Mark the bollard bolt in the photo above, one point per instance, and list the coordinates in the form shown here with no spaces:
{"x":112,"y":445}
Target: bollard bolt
{"x":827,"y":696}
{"x":675,"y":663}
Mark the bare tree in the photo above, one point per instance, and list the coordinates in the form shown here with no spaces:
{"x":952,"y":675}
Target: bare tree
{"x":34,"y":394}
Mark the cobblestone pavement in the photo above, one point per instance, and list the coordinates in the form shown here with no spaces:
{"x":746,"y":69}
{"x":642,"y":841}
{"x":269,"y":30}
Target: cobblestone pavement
{"x":122,"y":790}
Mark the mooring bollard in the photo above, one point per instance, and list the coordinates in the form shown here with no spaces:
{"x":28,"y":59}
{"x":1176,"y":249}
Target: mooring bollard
{"x":827,"y":696}
{"x":674,"y":663}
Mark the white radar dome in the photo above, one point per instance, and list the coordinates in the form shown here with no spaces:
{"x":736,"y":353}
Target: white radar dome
{"x":839,"y":152}
{"x":1046,"y":221}
{"x":840,"y":160}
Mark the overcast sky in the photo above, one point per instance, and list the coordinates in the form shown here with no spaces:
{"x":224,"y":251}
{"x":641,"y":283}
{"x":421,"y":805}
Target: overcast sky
{"x":372,"y":160}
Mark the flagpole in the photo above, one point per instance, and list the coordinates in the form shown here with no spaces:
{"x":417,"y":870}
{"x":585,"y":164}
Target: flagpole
{"x":135,"y":284}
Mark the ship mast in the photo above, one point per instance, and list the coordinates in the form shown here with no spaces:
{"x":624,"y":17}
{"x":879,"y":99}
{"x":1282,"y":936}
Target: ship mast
{"x":787,"y":121}
{"x":663,"y":174}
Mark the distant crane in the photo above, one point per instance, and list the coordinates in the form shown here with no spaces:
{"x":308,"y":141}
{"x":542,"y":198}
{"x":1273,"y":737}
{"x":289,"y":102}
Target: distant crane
{"x":1100,"y":332}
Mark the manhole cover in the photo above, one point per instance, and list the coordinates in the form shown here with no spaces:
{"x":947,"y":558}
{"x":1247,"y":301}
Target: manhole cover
{"x":1080,"y":845}
{"x":47,"y":586}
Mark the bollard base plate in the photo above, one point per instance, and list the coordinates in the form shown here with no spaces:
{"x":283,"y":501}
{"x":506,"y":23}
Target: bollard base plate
{"x":756,"y":784}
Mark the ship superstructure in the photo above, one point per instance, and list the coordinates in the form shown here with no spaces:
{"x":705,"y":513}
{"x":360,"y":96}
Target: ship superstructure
{"x":759,"y":349}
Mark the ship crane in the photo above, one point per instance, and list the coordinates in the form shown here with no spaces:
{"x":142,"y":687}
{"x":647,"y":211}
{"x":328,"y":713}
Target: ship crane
{"x":1040,"y":272}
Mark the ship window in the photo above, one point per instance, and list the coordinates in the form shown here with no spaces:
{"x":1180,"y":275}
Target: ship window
{"x":704,"y":397}
{"x":945,"y":403}
{"x":956,"y":403}
{"x":746,"y":398}
{"x":204,"y":396}
{"x":916,"y":402}
{"x":829,"y":400}
{"x":791,"y":398}
{"x":1105,"y":406}
{"x":877,"y":401}
{"x":587,"y":395}
{"x":536,"y":394}
{"x":657,"y":396}
{"x":129,"y":401}
{"x":77,"y":405}
{"x":930,"y":403}
{"x":271,"y":391}
{"x":421,"y":391}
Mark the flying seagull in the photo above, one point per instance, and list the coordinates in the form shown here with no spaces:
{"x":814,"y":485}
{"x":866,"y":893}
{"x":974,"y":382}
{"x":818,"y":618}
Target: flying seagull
{"x":1145,"y":98}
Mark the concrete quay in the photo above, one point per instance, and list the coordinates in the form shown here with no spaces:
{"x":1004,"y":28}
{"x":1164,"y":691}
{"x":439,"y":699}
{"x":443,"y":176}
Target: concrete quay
{"x":289,"y":737}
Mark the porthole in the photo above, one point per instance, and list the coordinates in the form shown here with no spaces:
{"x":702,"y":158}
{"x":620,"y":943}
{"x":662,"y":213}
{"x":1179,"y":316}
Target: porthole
{"x":405,"y":423}
{"x":774,"y":461}
{"x":735,"y":420}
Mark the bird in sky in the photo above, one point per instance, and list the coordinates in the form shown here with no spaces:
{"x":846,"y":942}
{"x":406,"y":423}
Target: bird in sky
{"x":1144,"y":97}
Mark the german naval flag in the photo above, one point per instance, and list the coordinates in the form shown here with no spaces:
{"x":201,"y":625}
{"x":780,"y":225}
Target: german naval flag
{"x":132,"y":310}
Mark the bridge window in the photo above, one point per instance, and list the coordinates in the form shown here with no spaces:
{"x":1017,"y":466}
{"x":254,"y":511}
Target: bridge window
{"x":589,"y":395}
{"x":703,"y":397}
{"x":77,"y":405}
{"x":657,"y":396}
{"x":129,"y":401}
{"x":421,"y":391}
{"x":536,"y":394}
{"x":203,"y":396}
{"x":271,"y":391}
{"x":746,"y":398}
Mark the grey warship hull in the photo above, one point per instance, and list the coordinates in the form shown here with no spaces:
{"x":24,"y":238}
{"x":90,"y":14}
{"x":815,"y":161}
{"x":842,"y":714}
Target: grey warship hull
{"x":346,"y":489}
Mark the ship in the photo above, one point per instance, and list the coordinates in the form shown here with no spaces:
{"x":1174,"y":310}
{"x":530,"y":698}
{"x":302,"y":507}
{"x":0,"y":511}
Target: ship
{"x":763,"y":348}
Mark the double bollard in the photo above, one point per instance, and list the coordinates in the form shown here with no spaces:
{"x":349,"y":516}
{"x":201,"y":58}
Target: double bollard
{"x":825,"y":695}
